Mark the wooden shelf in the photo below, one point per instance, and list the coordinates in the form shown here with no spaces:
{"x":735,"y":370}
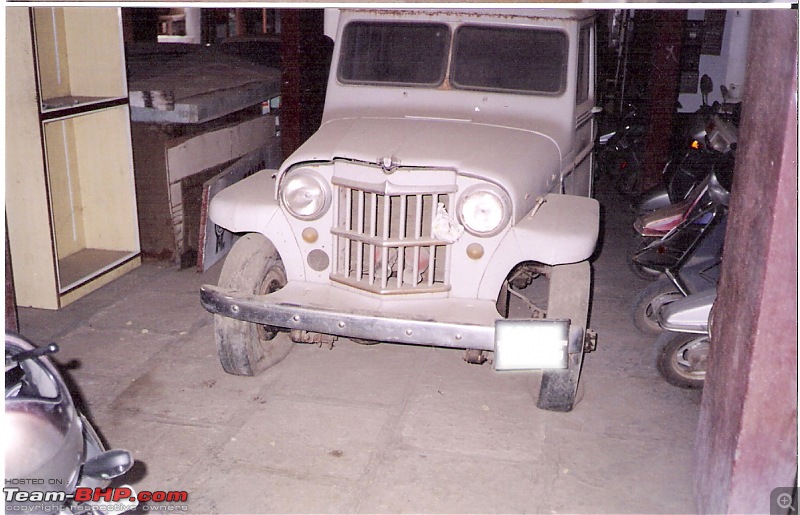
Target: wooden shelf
{"x":75,"y":269}
{"x":70,"y":195}
{"x":92,"y":194}
{"x":78,"y":62}
{"x":58,"y":103}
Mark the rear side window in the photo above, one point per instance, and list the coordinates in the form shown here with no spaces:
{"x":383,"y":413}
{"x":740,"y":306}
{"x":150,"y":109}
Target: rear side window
{"x":510,"y":59}
{"x":394,"y":53}
{"x":582,"y":93}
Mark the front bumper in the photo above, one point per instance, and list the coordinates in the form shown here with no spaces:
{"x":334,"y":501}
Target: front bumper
{"x":453,"y":323}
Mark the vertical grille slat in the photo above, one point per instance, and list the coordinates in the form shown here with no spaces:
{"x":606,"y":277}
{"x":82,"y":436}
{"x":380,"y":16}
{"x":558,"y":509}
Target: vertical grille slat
{"x":387,"y":220}
{"x":349,"y":224}
{"x":373,"y":231}
{"x":432,"y":259}
{"x":360,"y":246}
{"x":418,"y":218}
{"x":418,"y":222}
{"x":385,"y":244}
{"x":401,"y":251}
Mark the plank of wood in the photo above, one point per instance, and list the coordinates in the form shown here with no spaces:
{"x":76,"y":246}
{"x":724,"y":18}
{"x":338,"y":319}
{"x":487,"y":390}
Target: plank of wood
{"x":209,"y":106}
{"x":196,"y":86}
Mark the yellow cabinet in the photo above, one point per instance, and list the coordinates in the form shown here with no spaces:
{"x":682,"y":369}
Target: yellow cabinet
{"x":70,"y":196}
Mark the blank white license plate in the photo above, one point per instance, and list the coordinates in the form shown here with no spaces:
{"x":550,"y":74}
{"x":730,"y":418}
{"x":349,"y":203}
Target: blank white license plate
{"x":530,"y":344}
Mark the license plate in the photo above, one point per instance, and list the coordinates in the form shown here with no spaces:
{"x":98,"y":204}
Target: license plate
{"x":530,"y":344}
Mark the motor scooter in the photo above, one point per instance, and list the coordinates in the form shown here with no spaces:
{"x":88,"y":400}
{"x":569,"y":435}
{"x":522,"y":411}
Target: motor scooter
{"x":688,"y":257}
{"x":682,"y":348}
{"x":710,"y":145}
{"x":696,"y":209}
{"x":51,"y":449}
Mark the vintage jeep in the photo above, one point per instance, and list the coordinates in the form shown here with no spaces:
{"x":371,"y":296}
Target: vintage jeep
{"x":452,"y":169}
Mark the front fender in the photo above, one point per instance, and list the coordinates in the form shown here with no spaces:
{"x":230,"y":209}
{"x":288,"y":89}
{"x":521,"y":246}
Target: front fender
{"x":564,"y":229}
{"x":250,"y":206}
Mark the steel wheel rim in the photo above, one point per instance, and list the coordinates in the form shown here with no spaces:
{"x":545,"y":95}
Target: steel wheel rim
{"x":652,"y":309}
{"x":689,"y":355}
{"x":272,"y":282}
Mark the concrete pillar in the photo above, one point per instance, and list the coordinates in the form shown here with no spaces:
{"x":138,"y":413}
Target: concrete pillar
{"x":747,"y":434}
{"x":12,"y":320}
{"x":663,"y":85}
{"x":736,"y":67}
{"x":290,"y":114}
{"x":305,"y":56}
{"x":193,"y":26}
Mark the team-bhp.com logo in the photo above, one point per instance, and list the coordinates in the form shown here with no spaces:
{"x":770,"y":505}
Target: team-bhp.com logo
{"x":121,"y":496}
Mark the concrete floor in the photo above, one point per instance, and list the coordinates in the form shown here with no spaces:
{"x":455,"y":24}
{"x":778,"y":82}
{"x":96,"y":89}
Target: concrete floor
{"x":380,"y":428}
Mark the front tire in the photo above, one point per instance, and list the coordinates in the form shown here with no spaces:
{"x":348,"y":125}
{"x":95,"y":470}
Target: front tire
{"x":644,"y":310}
{"x":252,"y":266}
{"x":568,"y":298}
{"x":681,"y":358}
{"x":642,"y":272}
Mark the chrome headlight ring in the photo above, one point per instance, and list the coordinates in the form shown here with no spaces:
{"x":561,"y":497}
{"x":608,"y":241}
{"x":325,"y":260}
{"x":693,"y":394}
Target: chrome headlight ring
{"x":305,"y":194}
{"x":484,"y":209}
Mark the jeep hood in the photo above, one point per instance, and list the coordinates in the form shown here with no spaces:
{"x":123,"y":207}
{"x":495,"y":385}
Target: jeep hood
{"x":521,"y":161}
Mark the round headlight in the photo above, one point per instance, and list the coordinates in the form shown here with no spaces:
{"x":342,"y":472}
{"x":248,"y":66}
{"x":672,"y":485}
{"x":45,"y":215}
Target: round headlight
{"x":305,"y":194}
{"x":484,"y":210}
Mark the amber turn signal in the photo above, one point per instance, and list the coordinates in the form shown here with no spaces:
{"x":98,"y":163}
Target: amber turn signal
{"x":475,"y":250}
{"x":310,"y":235}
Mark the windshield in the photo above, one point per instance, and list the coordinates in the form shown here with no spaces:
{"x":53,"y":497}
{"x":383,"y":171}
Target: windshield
{"x":506,"y":59}
{"x":394,"y":53}
{"x":510,"y":59}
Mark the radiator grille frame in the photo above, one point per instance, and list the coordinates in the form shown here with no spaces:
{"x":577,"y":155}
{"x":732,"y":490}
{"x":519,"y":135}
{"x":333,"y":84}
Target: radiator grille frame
{"x":383,"y":238}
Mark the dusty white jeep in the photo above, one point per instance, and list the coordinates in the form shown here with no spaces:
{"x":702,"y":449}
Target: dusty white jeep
{"x":452,"y":169}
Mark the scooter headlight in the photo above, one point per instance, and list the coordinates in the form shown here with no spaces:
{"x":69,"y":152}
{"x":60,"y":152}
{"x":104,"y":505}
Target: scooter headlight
{"x":305,"y":194}
{"x":484,"y":210}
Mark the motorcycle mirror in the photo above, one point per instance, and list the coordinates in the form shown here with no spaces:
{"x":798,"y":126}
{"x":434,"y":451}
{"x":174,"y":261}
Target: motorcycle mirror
{"x":109,"y":464}
{"x":35,"y":353}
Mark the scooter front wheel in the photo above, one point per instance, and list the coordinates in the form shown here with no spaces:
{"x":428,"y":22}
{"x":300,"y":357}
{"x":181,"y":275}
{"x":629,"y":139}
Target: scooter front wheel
{"x":644,"y":310}
{"x":681,"y":358}
{"x":640,"y":271}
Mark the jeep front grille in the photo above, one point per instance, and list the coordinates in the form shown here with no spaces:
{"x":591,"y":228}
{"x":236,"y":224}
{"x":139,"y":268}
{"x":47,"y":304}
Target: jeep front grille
{"x":383,"y":239}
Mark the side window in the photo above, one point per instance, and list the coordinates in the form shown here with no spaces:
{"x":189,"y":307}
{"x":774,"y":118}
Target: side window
{"x":584,"y":47}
